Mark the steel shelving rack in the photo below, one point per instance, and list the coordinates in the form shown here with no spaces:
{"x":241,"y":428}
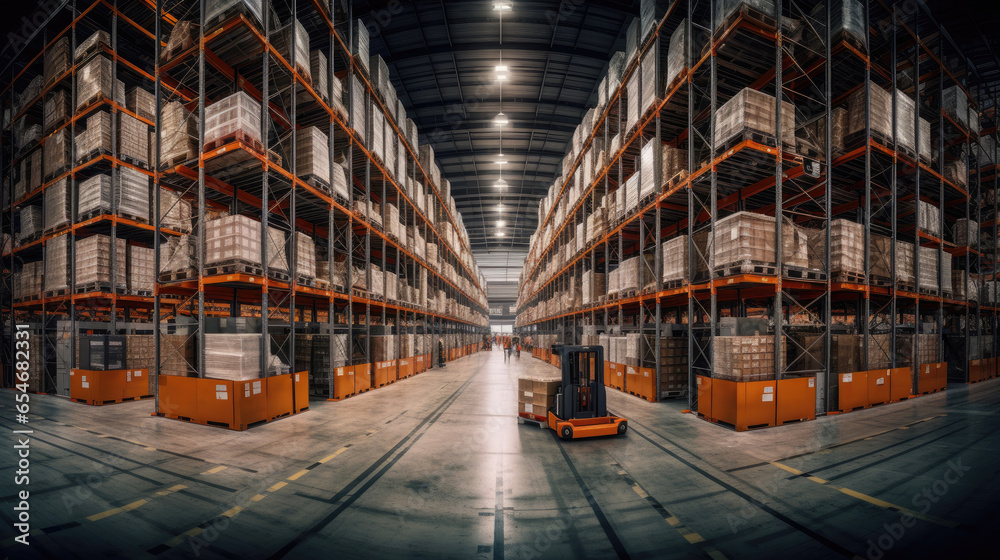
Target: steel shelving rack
{"x":871,"y":182}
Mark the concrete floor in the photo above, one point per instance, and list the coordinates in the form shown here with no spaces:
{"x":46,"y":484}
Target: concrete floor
{"x":437,"y":466}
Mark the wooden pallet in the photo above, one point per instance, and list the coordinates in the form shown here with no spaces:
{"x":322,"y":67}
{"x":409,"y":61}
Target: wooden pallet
{"x":674,"y":181}
{"x":133,"y":217}
{"x":880,"y":281}
{"x":747,"y":134}
{"x":49,"y":127}
{"x":141,"y":164}
{"x":93,"y":287}
{"x":92,"y":50}
{"x":793,"y":421}
{"x":56,"y":173}
{"x":176,"y":276}
{"x":93,"y":154}
{"x":529,"y":418}
{"x":848,"y":277}
{"x":278,"y":275}
{"x":234,"y":267}
{"x":305,"y":281}
{"x":139,"y":293}
{"x":237,"y":136}
{"x":113,"y":401}
{"x":746,"y":268}
{"x":175,"y":160}
{"x":56,"y":293}
{"x":906,"y":287}
{"x":804,"y":273}
{"x":317,"y":183}
{"x":672,"y":394}
{"x":857,"y":139}
{"x":54,"y":229}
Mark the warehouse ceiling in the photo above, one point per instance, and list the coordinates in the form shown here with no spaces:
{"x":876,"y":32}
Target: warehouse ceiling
{"x":442,"y":57}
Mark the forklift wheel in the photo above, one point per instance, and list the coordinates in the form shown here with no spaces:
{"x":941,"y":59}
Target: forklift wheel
{"x":622,"y":427}
{"x":566,"y":432}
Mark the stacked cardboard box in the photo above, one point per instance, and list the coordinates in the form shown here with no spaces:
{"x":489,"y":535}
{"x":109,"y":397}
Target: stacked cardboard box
{"x":673,"y":365}
{"x":312,"y":154}
{"x":320,"y":73}
{"x":95,"y":196}
{"x":57,"y":204}
{"x":140,"y":353}
{"x":175,"y":212}
{"x":237,"y":113}
{"x":282,"y":40}
{"x":57,"y":263}
{"x":141,"y":269}
{"x":55,"y":110}
{"x":29,"y":282}
{"x":177,"y":255}
{"x":929,"y":218}
{"x":956,"y":172}
{"x":675,"y":260}
{"x":141,"y":102}
{"x":234,"y":357}
{"x":96,"y":137}
{"x":57,"y":154}
{"x":94,"y":81}
{"x":536,"y":395}
{"x":966,"y":233}
{"x":847,"y":248}
{"x":93,"y":262}
{"x":753,"y":110}
{"x":177,"y":354}
{"x":744,"y":358}
{"x":56,"y":60}
{"x":133,"y":194}
{"x":745,"y":239}
{"x":88,"y":46}
{"x":305,"y":256}
{"x":179,"y":134}
{"x":133,"y":138}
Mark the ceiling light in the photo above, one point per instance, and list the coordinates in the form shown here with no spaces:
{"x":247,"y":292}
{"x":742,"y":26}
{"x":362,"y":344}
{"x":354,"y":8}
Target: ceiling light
{"x":501,"y":184}
{"x":502,"y":6}
{"x":501,"y":159}
{"x":502,"y":72}
{"x":501,"y":223}
{"x":500,"y":120}
{"x":499,"y":207}
{"x":500,"y":234}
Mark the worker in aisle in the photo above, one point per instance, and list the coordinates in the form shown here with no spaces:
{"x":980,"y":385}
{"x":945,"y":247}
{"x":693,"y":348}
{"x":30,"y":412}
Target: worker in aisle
{"x":506,"y":349}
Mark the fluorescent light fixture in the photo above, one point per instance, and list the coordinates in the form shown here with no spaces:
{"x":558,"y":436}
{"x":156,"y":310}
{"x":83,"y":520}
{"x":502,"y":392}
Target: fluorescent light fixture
{"x":502,"y":6}
{"x":499,"y":207}
{"x":500,"y":120}
{"x":501,"y":234}
{"x":501,"y":159}
{"x":501,"y":223}
{"x":502,"y":72}
{"x":501,"y":184}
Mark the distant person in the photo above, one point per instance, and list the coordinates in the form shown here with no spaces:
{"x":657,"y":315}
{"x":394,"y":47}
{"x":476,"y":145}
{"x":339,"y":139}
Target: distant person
{"x":506,"y":349}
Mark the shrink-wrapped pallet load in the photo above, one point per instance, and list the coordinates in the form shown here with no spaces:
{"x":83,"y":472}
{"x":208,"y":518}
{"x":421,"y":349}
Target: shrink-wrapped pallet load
{"x":675,"y":260}
{"x":56,"y":60}
{"x":179,"y":134}
{"x":57,"y":155}
{"x":752,"y":110}
{"x":133,"y":139}
{"x":96,"y":139}
{"x":57,"y":204}
{"x":141,"y":102}
{"x":305,"y":256}
{"x":747,"y":240}
{"x":234,"y":357}
{"x":94,"y":196}
{"x":847,"y":248}
{"x":745,"y":358}
{"x":282,"y":39}
{"x":238,"y":113}
{"x":141,"y":270}
{"x":57,"y":264}
{"x":133,"y":194}
{"x":93,"y":262}
{"x":55,"y":111}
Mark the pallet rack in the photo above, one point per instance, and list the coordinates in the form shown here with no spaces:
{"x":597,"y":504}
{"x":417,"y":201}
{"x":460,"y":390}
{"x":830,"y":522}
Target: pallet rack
{"x":816,"y":71}
{"x":235,"y":52}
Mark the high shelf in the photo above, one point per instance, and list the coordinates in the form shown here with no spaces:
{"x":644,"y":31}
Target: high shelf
{"x":718,"y":256}
{"x":291,"y":212}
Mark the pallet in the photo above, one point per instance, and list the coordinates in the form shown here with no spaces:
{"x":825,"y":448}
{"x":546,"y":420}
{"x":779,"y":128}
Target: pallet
{"x":278,"y":275}
{"x":234,"y":267}
{"x":880,"y":281}
{"x":90,"y":52}
{"x":857,"y":139}
{"x":52,"y":230}
{"x":747,"y":134}
{"x":317,"y":183}
{"x":175,"y":160}
{"x":176,"y":276}
{"x":239,"y":8}
{"x":848,"y":277}
{"x":113,"y":401}
{"x":529,"y":418}
{"x":674,"y":181}
{"x":141,"y":164}
{"x":359,"y":293}
{"x":56,"y":173}
{"x":237,"y":136}
{"x":906,"y":287}
{"x":93,"y":154}
{"x":56,"y":293}
{"x":748,"y":13}
{"x":305,"y":281}
{"x":793,"y":421}
{"x":139,"y":293}
{"x":746,"y":268}
{"x":672,"y":394}
{"x":93,"y":287}
{"x":133,"y":217}
{"x":804,"y":273}
{"x":49,"y":127}
{"x":674,"y":284}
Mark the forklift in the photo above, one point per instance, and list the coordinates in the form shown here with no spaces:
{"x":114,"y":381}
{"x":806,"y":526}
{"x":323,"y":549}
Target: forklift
{"x":581,"y":409}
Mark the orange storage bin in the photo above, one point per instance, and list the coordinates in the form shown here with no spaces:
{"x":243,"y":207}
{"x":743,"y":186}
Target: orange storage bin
{"x":301,"y":386}
{"x":900,"y":384}
{"x":853,"y":390}
{"x":279,"y":395}
{"x":647,"y":380}
{"x":405,"y":368}
{"x":249,"y":402}
{"x":704,"y":403}
{"x":136,"y":383}
{"x":744,"y":405}
{"x":879,"y":391}
{"x":362,"y":377}
{"x":178,"y":396}
{"x":215,"y":401}
{"x":796,"y":399}
{"x":631,"y":379}
{"x":932,"y":378}
{"x":343,"y":382}
{"x":381,"y":374}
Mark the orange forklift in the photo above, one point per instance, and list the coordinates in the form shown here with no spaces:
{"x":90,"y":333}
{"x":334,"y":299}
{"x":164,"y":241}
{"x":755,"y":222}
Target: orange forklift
{"x":581,"y":409}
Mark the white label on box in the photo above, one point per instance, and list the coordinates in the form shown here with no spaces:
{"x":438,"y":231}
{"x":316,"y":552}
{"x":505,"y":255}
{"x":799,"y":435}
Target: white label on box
{"x":699,"y":381}
{"x":767,"y":398}
{"x":812,"y":381}
{"x":768,"y":389}
{"x":128,"y":376}
{"x":246,"y":390}
{"x":880,"y":381}
{"x":340,"y":372}
{"x":83,"y":378}
{"x":928,"y":370}
{"x":528,"y":409}
{"x":646,"y":373}
{"x":221,"y":396}
{"x":296,"y":378}
{"x":528,"y":394}
{"x":848,"y":377}
{"x":257,"y":387}
{"x":137,"y":373}
{"x":86,"y":385}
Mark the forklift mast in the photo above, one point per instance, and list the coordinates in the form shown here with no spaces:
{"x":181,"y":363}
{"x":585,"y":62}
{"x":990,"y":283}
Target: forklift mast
{"x":583,"y":389}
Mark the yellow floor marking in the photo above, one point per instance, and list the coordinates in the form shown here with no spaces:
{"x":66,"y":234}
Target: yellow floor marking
{"x":871,"y":499}
{"x":277,"y":486}
{"x":110,"y":512}
{"x":171,"y":490}
{"x":180,"y":538}
{"x":334,"y":454}
{"x":638,"y":490}
{"x":214,"y":470}
{"x":673,"y":521}
{"x":298,"y":475}
{"x":693,"y":538}
{"x":232,"y":512}
{"x":258,"y":497}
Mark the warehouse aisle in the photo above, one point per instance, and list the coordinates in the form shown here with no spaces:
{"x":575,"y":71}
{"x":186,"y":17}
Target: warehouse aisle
{"x":438,"y":466}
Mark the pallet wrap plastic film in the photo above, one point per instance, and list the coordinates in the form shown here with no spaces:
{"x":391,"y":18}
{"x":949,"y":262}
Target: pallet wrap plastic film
{"x":94,"y":195}
{"x":814,"y":133}
{"x":141,"y":102}
{"x":928,"y":279}
{"x":57,"y":154}
{"x":847,"y":247}
{"x":177,"y":255}
{"x":281,"y":40}
{"x":966,"y":233}
{"x":956,"y":171}
{"x":305,"y":256}
{"x":675,"y":260}
{"x":133,"y":193}
{"x":753,"y":110}
{"x":650,"y":170}
{"x":651,"y":88}
{"x":905,"y":135}
{"x":746,"y":239}
{"x":216,"y":8}
{"x":955,"y":104}
{"x":312,"y":154}
{"x":380,"y":76}
{"x":724,"y":8}
{"x":56,"y":61}
{"x":28,"y":282}
{"x":929,"y":218}
{"x":235,"y":357}
{"x":94,"y":80}
{"x":391,"y":286}
{"x":383,"y":348}
{"x":57,"y":204}
{"x":881,"y":112}
{"x":55,"y":110}
{"x":359,"y":107}
{"x":174,"y":212}
{"x":745,"y":358}
{"x":133,"y":138}
{"x":141,"y":269}
{"x":377,"y":280}
{"x":96,"y":137}
{"x":237,"y":113}
{"x":88,"y":45}
{"x":360,"y":44}
{"x":57,"y":263}
{"x":341,"y":182}
{"x":179,"y":134}
{"x":632,"y":343}
{"x":93,"y":262}
{"x":677,"y":53}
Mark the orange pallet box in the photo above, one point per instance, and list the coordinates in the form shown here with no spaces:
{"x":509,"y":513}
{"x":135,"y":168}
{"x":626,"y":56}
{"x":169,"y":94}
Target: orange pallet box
{"x":279,"y":389}
{"x":647,"y":381}
{"x":852,"y":389}
{"x":607,"y":374}
{"x":795,"y":399}
{"x":249,"y":403}
{"x":631,"y":379}
{"x":177,"y":396}
{"x":363,"y":377}
{"x":405,"y":368}
{"x":136,"y":383}
{"x":343,"y":382}
{"x":900,"y":384}
{"x":301,"y":391}
{"x":879,"y":391}
{"x":215,"y":402}
{"x":932,"y":378}
{"x":704,"y":408}
{"x":744,"y":404}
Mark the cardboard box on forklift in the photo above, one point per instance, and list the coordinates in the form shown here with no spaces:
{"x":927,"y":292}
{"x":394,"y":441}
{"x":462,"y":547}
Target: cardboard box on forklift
{"x":536,"y":395}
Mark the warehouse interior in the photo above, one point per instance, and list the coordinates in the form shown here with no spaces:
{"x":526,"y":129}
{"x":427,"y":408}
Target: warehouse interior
{"x":499,"y":279}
